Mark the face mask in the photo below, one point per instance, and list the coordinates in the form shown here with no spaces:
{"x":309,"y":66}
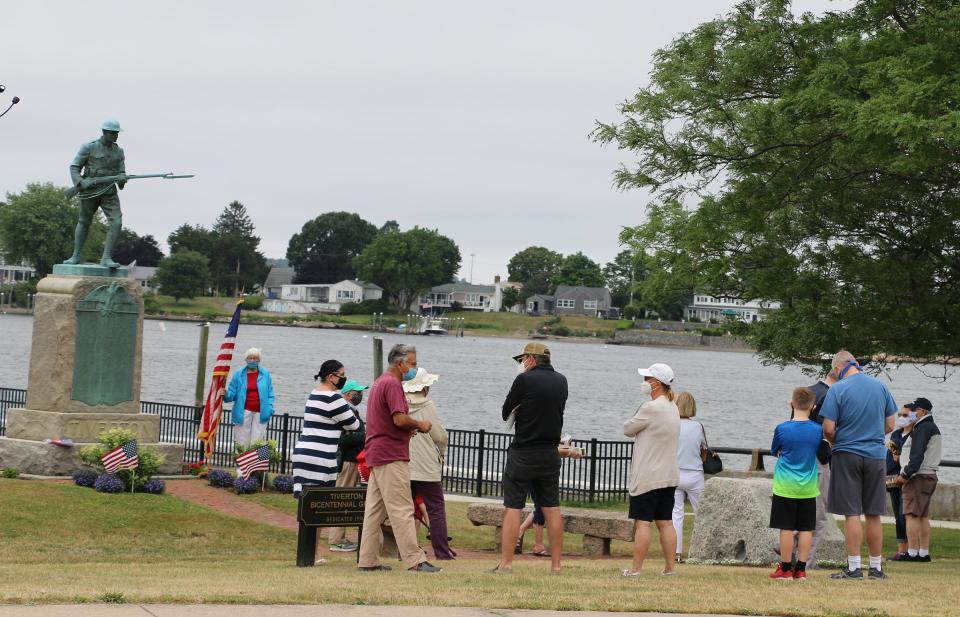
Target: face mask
{"x":646,"y":388}
{"x":410,"y":374}
{"x":903,"y":422}
{"x":356,"y":399}
{"x":521,"y":368}
{"x":850,"y":364}
{"x":252,"y":365}
{"x":339,"y":382}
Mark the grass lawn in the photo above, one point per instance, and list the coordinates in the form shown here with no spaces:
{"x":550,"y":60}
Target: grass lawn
{"x":65,"y":544}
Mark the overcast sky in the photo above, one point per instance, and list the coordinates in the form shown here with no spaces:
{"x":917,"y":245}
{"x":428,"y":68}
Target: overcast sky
{"x":470,"y":118}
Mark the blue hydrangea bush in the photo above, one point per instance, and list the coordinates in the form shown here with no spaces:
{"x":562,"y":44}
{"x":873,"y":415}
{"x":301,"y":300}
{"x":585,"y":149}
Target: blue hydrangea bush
{"x":246,"y":487}
{"x":155,"y":486}
{"x":85,"y":477}
{"x":108,"y":483}
{"x":220,"y":478}
{"x":283,"y":484}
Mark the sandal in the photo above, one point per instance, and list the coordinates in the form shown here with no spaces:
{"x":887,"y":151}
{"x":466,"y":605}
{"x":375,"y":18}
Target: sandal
{"x":541,"y":553}
{"x":628,"y":573}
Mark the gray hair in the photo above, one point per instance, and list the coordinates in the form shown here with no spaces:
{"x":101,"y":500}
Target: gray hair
{"x":399,"y":352}
{"x":842,"y":357}
{"x":253,"y":351}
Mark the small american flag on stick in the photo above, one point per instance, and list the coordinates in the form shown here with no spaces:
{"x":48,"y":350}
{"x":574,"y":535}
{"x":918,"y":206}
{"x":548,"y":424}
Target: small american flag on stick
{"x":121,"y":457}
{"x":257,"y":459}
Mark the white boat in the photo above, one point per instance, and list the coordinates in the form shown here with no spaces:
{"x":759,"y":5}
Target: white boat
{"x":434,"y":326}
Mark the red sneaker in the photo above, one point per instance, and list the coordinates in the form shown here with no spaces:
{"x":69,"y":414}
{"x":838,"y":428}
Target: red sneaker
{"x":780,"y":574}
{"x":800,"y":575}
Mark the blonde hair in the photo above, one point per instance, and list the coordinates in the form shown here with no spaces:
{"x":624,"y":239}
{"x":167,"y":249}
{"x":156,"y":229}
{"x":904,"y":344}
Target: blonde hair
{"x":666,"y":390}
{"x":686,"y":404}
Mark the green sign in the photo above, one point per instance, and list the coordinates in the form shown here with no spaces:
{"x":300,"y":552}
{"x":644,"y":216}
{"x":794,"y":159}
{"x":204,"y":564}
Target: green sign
{"x":331,"y":507}
{"x":106,"y":342}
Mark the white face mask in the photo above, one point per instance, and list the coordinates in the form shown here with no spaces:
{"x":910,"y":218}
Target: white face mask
{"x":905,"y":421}
{"x":646,"y":388}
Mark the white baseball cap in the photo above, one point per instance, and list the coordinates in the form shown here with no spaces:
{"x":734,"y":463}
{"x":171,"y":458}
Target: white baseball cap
{"x":660,"y":372}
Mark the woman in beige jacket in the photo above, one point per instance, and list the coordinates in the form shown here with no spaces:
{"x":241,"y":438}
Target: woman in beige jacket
{"x":427,"y":451}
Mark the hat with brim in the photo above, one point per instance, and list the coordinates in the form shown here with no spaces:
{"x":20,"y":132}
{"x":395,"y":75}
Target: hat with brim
{"x":660,"y":372}
{"x":533,"y":349}
{"x":421,"y":380}
{"x":920,"y":403}
{"x":352,"y":385}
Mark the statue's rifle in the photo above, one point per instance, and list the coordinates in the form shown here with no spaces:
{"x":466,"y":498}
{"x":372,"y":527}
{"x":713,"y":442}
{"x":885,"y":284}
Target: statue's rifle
{"x":91,"y":182}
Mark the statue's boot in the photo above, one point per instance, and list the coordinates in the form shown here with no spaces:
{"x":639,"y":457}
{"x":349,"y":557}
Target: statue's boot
{"x":79,"y":239}
{"x":106,"y":260}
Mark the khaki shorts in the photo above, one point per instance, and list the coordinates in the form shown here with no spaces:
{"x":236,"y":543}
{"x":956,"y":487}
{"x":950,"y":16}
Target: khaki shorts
{"x":917,"y":493}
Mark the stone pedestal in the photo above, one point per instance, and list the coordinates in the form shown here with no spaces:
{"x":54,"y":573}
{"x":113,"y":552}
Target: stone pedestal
{"x":84,"y":374}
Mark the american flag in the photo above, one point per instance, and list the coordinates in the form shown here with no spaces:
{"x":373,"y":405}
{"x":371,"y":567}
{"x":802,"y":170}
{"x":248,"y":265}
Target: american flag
{"x":121,"y":457}
{"x":213,"y":408}
{"x":257,"y":459}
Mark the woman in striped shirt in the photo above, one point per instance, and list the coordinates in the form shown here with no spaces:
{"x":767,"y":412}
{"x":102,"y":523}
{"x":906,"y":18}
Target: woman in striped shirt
{"x":326,"y":416}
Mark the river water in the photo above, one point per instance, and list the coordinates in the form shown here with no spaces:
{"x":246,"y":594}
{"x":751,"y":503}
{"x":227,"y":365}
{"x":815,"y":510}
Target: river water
{"x":739,"y":400}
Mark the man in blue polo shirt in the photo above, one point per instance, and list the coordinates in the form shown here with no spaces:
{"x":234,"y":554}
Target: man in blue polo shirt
{"x":857,"y":412}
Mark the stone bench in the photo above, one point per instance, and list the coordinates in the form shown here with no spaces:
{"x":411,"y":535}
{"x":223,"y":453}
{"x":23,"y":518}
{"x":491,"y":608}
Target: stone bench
{"x":597,"y":527}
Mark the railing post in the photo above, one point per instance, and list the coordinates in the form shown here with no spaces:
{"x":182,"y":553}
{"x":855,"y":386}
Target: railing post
{"x":593,"y":469}
{"x":284,"y":440}
{"x":756,"y":460}
{"x":377,"y":357}
{"x":481,"y":439}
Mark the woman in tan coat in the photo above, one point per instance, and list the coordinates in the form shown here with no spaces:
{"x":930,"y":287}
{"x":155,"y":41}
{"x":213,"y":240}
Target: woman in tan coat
{"x":427,"y":451}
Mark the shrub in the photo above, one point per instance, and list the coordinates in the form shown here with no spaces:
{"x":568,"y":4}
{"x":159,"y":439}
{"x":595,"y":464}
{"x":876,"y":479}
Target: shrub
{"x":246,"y":487}
{"x":220,"y":478}
{"x":561,"y":330}
{"x":155,"y":486}
{"x":151,"y":305}
{"x":10,"y":473}
{"x":272,"y":444}
{"x":367,"y":307}
{"x":149,"y":461}
{"x":456,"y":307}
{"x":252,"y":303}
{"x":283,"y":484}
{"x":109,"y":483}
{"x":85,"y":477}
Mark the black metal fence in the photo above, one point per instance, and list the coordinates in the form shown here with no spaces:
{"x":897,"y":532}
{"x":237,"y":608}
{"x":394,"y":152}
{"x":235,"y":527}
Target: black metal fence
{"x":474,"y":459}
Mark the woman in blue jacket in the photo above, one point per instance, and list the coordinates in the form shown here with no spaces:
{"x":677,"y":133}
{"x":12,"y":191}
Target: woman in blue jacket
{"x":251,"y":392}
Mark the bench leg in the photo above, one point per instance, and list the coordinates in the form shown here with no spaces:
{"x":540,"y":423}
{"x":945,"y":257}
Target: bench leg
{"x":596,"y":547}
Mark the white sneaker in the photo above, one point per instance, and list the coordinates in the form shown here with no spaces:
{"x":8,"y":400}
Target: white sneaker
{"x":344,"y":547}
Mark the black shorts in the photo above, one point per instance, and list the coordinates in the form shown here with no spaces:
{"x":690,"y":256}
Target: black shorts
{"x":655,"y":505}
{"x":532,"y":471}
{"x":790,"y":514}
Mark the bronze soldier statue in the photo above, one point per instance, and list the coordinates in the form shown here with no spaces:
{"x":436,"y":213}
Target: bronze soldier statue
{"x":96,"y":159}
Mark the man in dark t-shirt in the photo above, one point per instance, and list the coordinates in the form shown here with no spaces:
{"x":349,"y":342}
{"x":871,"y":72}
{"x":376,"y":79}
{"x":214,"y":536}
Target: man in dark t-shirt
{"x":535,"y":403}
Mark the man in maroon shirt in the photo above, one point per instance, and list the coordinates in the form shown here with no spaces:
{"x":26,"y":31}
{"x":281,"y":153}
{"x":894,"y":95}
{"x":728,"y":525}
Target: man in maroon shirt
{"x":387,"y":451}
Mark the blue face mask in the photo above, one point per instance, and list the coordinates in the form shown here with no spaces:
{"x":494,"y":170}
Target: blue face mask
{"x":252,"y":365}
{"x":850,"y":364}
{"x":410,"y":374}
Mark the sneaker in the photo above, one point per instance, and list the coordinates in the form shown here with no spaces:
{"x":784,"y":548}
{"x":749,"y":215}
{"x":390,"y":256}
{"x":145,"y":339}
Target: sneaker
{"x":876,"y":575}
{"x":679,"y":558}
{"x":425,"y":566}
{"x":800,"y":575}
{"x":344,"y":547}
{"x":847,"y":574}
{"x":923,"y":558}
{"x":380,"y":568}
{"x":898,"y":557}
{"x":909,"y":557}
{"x":780,"y":574}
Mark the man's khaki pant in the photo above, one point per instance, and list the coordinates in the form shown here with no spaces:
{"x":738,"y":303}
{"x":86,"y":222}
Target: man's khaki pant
{"x":349,"y":477}
{"x":388,"y":496}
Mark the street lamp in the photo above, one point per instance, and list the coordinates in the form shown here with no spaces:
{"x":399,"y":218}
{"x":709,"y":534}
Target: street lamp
{"x":13,"y":101}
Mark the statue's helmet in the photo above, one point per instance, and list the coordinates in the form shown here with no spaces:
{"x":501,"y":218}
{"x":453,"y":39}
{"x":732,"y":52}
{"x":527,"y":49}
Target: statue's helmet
{"x":111,"y":124}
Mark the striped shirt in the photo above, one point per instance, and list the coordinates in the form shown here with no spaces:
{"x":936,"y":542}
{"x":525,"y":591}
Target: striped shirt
{"x":326,"y":416}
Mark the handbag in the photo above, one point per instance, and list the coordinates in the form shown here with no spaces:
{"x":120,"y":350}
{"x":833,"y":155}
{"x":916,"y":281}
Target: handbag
{"x":711,"y":461}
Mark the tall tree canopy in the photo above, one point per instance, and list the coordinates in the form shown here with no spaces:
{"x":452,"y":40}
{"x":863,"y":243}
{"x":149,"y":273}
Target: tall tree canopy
{"x":183,"y":274}
{"x":190,"y":238}
{"x":535,"y":267}
{"x":408,"y":263}
{"x":810,"y":160}
{"x":236,"y":264}
{"x":622,"y":275}
{"x":324,"y":250}
{"x":37,"y":225}
{"x":578,"y":269}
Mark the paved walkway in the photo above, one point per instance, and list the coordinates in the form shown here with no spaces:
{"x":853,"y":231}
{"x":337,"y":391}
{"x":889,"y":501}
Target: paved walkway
{"x":233,"y":610}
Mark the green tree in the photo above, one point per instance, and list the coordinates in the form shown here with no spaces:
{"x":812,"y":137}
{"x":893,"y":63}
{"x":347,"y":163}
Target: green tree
{"x":142,"y":249}
{"x":389,"y":226}
{"x":622,"y":275}
{"x":511,"y":297}
{"x":37,"y":225}
{"x":818,"y":160}
{"x":190,"y":238}
{"x":578,"y":269}
{"x":535,"y":267}
{"x":183,"y":274}
{"x":236,"y":264}
{"x":408,"y":263}
{"x":324,"y":250}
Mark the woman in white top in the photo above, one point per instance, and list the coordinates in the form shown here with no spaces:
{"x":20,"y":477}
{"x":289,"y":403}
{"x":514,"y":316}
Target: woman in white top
{"x":690,"y":452}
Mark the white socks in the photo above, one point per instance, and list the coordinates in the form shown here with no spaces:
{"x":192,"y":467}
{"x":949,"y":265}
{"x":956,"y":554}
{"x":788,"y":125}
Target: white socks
{"x":853,"y":562}
{"x":923,"y":552}
{"x":875,"y":562}
{"x":913,"y":552}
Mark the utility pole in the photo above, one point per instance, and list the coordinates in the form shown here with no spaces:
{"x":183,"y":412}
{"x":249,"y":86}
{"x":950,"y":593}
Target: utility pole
{"x":471,"y":268}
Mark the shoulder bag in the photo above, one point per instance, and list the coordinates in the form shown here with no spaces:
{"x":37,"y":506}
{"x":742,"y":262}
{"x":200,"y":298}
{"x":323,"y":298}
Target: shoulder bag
{"x":711,"y":460}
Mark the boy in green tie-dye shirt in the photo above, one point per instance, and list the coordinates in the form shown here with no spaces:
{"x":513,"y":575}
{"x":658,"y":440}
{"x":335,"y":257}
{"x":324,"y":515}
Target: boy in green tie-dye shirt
{"x":794,"y":507}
